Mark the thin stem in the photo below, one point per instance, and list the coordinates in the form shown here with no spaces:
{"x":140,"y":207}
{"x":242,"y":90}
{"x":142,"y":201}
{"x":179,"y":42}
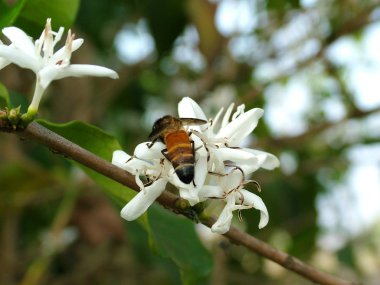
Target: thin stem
{"x":38,"y":92}
{"x":70,"y":150}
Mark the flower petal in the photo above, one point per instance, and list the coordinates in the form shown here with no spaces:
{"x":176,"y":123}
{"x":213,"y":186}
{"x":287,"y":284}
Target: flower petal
{"x":20,"y":40}
{"x":237,"y":155}
{"x":268,"y":160}
{"x":233,"y":180}
{"x":129,"y":163}
{"x":142,"y":150}
{"x":141,"y":202}
{"x":242,"y":126}
{"x":200,"y":170}
{"x":239,"y":111}
{"x":216,"y":119}
{"x":120,"y":157}
{"x":19,"y":58}
{"x":210,"y":192}
{"x":223,"y":223}
{"x":189,"y":193}
{"x":227,"y":115}
{"x":251,"y":199}
{"x":60,"y":53}
{"x":54,"y":72}
{"x":4,"y":62}
{"x":188,"y":108}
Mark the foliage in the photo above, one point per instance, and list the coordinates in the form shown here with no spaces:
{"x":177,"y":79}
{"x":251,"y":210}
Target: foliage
{"x":30,"y":15}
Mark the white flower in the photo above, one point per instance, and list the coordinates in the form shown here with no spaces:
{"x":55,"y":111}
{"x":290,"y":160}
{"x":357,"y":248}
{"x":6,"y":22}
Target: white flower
{"x":43,"y":61}
{"x":139,"y":167}
{"x":222,"y":168}
{"x":225,"y":140}
{"x":229,"y":188}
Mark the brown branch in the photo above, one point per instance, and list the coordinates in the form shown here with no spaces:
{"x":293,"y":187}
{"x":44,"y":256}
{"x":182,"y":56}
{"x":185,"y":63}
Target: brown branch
{"x":55,"y":142}
{"x":284,"y":259}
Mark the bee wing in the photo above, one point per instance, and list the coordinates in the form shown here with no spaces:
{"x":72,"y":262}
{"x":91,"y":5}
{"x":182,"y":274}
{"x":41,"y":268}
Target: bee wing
{"x":192,"y":121}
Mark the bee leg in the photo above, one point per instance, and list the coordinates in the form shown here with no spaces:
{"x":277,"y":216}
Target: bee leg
{"x":164,"y":153}
{"x":193,"y":152}
{"x":149,"y":145}
{"x":208,"y":152}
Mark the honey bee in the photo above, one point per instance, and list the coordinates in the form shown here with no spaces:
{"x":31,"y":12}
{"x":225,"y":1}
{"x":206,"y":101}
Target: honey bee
{"x":179,"y":146}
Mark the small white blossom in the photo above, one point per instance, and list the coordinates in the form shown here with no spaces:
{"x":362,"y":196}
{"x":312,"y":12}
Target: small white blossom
{"x":229,"y":188}
{"x":39,"y":56}
{"x":222,"y":168}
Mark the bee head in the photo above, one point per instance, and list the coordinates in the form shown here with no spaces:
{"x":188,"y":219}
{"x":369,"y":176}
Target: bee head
{"x":160,"y":126}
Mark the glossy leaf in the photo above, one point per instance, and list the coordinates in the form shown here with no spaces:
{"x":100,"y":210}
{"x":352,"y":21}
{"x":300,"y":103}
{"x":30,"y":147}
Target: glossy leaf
{"x":33,"y":15}
{"x":98,"y":142}
{"x":175,"y":237}
{"x":9,"y":13}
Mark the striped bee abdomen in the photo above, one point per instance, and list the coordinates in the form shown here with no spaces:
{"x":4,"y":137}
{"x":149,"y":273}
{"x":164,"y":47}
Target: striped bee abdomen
{"x":180,"y":153}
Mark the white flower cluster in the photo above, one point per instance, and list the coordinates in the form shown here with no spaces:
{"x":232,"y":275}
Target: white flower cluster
{"x":221,"y":166}
{"x":39,"y":56}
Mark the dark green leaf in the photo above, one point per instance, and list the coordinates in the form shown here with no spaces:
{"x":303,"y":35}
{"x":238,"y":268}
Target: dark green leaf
{"x":9,"y":13}
{"x":175,"y":237}
{"x":35,"y":12}
{"x":4,"y":97}
{"x":98,"y":142}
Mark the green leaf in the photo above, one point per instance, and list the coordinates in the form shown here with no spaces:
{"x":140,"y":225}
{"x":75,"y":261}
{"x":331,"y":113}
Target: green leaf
{"x":175,"y":237}
{"x":34,"y":13}
{"x":4,"y":97}
{"x":9,"y":13}
{"x":98,"y":142}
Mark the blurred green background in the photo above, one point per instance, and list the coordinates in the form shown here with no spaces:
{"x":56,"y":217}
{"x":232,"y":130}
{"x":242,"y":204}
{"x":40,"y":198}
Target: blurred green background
{"x":313,"y":66}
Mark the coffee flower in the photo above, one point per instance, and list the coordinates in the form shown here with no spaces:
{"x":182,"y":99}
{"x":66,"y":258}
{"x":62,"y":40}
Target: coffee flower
{"x":157,"y":171}
{"x":39,"y":56}
{"x":229,"y":190}
{"x":222,"y":168}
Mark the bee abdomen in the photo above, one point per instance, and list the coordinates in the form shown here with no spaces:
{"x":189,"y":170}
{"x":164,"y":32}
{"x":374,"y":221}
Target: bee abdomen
{"x":183,"y":164}
{"x":185,"y":172}
{"x":180,"y":154}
